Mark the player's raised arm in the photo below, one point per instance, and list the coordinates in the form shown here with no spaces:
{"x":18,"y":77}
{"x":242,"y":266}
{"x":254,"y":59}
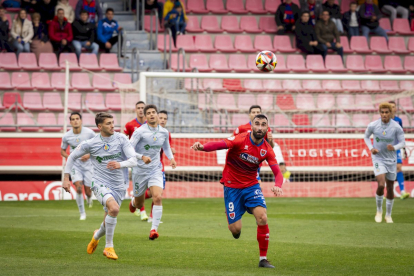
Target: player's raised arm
{"x":367,"y":139}
{"x":210,"y":146}
{"x":80,"y":151}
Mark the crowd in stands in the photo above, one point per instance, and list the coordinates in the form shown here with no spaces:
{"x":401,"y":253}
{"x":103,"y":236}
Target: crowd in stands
{"x":56,"y":27}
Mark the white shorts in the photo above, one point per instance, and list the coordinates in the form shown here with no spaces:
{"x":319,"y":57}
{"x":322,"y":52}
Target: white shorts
{"x":103,"y":193}
{"x":390,"y":170}
{"x":81,"y":175}
{"x":141,"y":184}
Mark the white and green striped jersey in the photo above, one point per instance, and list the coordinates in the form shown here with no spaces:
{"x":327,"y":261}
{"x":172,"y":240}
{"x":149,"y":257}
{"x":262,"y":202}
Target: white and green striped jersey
{"x":73,"y":140}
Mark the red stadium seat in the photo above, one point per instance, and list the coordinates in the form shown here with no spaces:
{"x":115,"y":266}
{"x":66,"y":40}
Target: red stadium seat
{"x":380,"y":98}
{"x":379,"y":45}
{"x":312,"y":86}
{"x":28,"y":61}
{"x":390,"y":86}
{"x":409,"y":64}
{"x":226,"y":102}
{"x":196,"y":84}
{"x":75,"y":102}
{"x":267,"y":24}
{"x":282,"y":123}
{"x":386,"y":25}
{"x":147,"y":19}
{"x":325,"y":101}
{"x":359,"y":44}
{"x":364,"y":102}
{"x":95,"y":101}
{"x":48,"y":122}
{"x":204,"y":44}
{"x":355,"y":63}
{"x":122,"y":79}
{"x":249,"y":25}
{"x":80,"y":82}
{"x":255,"y":7}
{"x":26,"y":122}
{"x":196,"y":6}
{"x":285,"y":102}
{"x":214,"y":84}
{"x":411,"y":45}
{"x":345,"y":102}
{"x":332,"y":85}
{"x":193,"y":26}
{"x":230,"y":24}
{"x":345,"y":5}
{"x":88,"y":120}
{"x":102,"y":82}
{"x":292,"y":85}
{"x":296,"y":63}
{"x":263,"y":42}
{"x":109,"y":62}
{"x":302,"y":120}
{"x":58,"y":81}
{"x":89,"y":62}
{"x":322,"y":122}
{"x":210,"y":24}
{"x":219,"y":120}
{"x":401,"y":26}
{"x":315,"y":64}
{"x":361,"y":121}
{"x":343,"y":123}
{"x":251,"y":63}
{"x":160,"y":43}
{"x":5,"y":80}
{"x":245,"y":101}
{"x":238,"y":63}
{"x":174,"y":63}
{"x":199,"y":61}
{"x":406,"y":104}
{"x":224,"y":44}
{"x":202,"y":101}
{"x":52,"y":101}
{"x":21,"y":81}
{"x":216,"y":7}
{"x":48,"y":61}
{"x":239,"y":119}
{"x":72,"y":59}
{"x":233,"y":85}
{"x":334,"y":64}
{"x":281,"y":43}
{"x":7,"y":122}
{"x":218,"y":62}
{"x":10,"y":99}
{"x":374,"y":64}
{"x":407,"y":85}
{"x":265,"y":101}
{"x":254,"y":85}
{"x":8,"y":61}
{"x":40,"y":81}
{"x":243,"y":43}
{"x":370,"y":86}
{"x":305,"y":102}
{"x":33,"y":101}
{"x":281,"y":65}
{"x":236,"y":6}
{"x":345,"y":44}
{"x":272,"y":5}
{"x":273,"y":85}
{"x":397,"y":45}
{"x":393,"y":64}
{"x":351,"y":86}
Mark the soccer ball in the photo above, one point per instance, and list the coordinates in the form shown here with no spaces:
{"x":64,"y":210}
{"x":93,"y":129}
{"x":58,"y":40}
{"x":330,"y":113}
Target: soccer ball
{"x":266,"y":61}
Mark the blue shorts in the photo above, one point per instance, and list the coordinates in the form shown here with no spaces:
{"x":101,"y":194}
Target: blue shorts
{"x":163,"y":179}
{"x":399,"y":157}
{"x":258,"y":174}
{"x":238,"y":201}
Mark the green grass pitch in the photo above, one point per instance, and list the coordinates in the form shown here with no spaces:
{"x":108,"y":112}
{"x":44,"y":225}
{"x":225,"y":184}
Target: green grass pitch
{"x":308,"y":236}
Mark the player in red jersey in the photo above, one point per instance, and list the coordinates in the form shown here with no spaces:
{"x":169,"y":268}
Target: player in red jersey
{"x":242,"y":191}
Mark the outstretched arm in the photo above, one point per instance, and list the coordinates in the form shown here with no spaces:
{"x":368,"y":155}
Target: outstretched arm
{"x":210,"y":146}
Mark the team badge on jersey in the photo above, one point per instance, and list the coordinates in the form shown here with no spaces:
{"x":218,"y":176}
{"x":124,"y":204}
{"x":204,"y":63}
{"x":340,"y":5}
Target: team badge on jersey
{"x":77,"y":140}
{"x":232,"y":215}
{"x":384,"y":133}
{"x":263,"y":152}
{"x":155,"y":138}
{"x":106,"y":147}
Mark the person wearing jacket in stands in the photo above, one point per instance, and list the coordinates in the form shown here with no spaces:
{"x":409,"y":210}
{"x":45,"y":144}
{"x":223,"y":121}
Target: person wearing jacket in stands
{"x":335,"y":13}
{"x":46,"y":9}
{"x":60,"y":33}
{"x":169,"y":6}
{"x":314,"y":7}
{"x":92,"y":7}
{"x":67,"y":8}
{"x":306,"y":39}
{"x":22,"y":32}
{"x":286,"y":16}
{"x":352,"y":20}
{"x":106,"y":29}
{"x":328,"y":35}
{"x":370,"y":15}
{"x":40,"y":41}
{"x":4,"y":31}
{"x":84,"y":35}
{"x":175,"y":21}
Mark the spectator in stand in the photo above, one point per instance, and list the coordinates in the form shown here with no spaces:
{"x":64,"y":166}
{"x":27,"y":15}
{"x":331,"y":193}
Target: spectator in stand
{"x":286,"y":16}
{"x":4,"y":31}
{"x":60,"y":33}
{"x":306,"y":39}
{"x":328,"y":35}
{"x":313,"y":7}
{"x":149,"y":6}
{"x":169,"y":6}
{"x":84,"y":35}
{"x":46,"y":9}
{"x":335,"y":14}
{"x":351,"y":20}
{"x":67,"y":8}
{"x":40,"y":41}
{"x":28,"y":4}
{"x":106,"y":29}
{"x":10,"y":4}
{"x":175,"y":21}
{"x":394,"y":8}
{"x":370,"y":15}
{"x":92,"y":7}
{"x":22,"y":32}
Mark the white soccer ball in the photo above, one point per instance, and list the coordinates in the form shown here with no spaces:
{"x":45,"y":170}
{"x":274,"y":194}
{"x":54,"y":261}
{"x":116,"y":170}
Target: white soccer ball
{"x":266,"y":61}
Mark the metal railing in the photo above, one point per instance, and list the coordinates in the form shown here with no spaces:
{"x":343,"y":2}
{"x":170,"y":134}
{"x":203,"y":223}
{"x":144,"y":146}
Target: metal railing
{"x":120,"y":47}
{"x":165,"y":47}
{"x":142,"y":15}
{"x":180,"y":51}
{"x":154,"y":12}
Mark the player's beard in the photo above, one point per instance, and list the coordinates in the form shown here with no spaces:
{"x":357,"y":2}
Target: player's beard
{"x":258,"y":135}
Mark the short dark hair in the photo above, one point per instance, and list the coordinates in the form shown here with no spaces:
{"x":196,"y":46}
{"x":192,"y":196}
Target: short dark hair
{"x":164,"y":112}
{"x":329,"y":13}
{"x":84,"y":11}
{"x":149,"y":106}
{"x":255,"y":106}
{"x":109,"y":10}
{"x":282,"y":164}
{"x":353,"y":3}
{"x":261,"y":116}
{"x":393,"y":102}
{"x":75,"y":113}
{"x":60,"y":9}
{"x":304,"y":13}
{"x":140,"y":102}
{"x":101,"y":116}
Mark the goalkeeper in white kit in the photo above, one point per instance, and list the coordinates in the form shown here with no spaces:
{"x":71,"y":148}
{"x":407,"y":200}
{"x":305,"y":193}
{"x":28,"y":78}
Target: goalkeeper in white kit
{"x":388,"y":138}
{"x":107,"y":153}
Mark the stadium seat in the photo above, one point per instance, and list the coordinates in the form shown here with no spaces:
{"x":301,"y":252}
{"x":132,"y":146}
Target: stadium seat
{"x":236,"y":6}
{"x":322,"y":123}
{"x":273,"y":85}
{"x":332,"y":85}
{"x":233,"y":85}
{"x":251,"y":63}
{"x":58,"y":81}
{"x":102,"y":82}
{"x":315,"y":64}
{"x":75,"y":102}
{"x":199,"y":61}
{"x":302,"y":120}
{"x":95,"y":101}
{"x":409,"y":64}
{"x":272,"y":5}
{"x":351,"y":86}
{"x":325,"y":101}
{"x":263,"y":42}
{"x":130,"y":99}
{"x":374,"y":64}
{"x":11,"y":98}
{"x":52,"y":101}
{"x":40,"y":81}
{"x":204,"y":44}
{"x":393,"y":65}
{"x":281,"y":65}
{"x":249,"y":25}
{"x":224,"y":44}
{"x":238,"y":63}
{"x":411,"y":44}
{"x":210,"y":24}
{"x":5,"y":80}
{"x":193,"y":26}
{"x":305,"y":102}
{"x":7,"y":122}
{"x":89,"y":62}
{"x":267,"y":24}
{"x":21,"y":81}
{"x":109,"y":62}
{"x":254,"y":85}
{"x":285,"y":102}
{"x":245,"y":101}
{"x":174,"y":63}
{"x":343,"y":123}
{"x":359,"y":45}
{"x":401,"y":26}
{"x":296,"y":63}
{"x":48,"y":122}
{"x":292,"y":85}
{"x":364,"y":102}
{"x":216,"y":7}
{"x":255,"y":7}
{"x":312,"y":86}
{"x":379,"y":45}
{"x":397,"y":45}
{"x":361,"y":121}
{"x":219,"y":120}
{"x":196,"y":84}
{"x":26,"y":122}
{"x":386,"y":25}
{"x":8,"y":61}
{"x":407,"y":85}
{"x":390,"y":86}
{"x":265,"y":101}
{"x":147,"y":20}
{"x":345,"y":102}
{"x":345,"y":5}
{"x":282,"y":123}
{"x":48,"y":61}
{"x":406,"y":104}
{"x":122,"y":79}
{"x":334,"y":64}
{"x":214,"y":84}
{"x":202,"y":98}
{"x":28,"y":61}
{"x":80,"y":82}
{"x":370,"y":85}
{"x":230,"y":24}
{"x":218,"y":62}
{"x":160,"y":43}
{"x":196,"y":6}
{"x":226,"y":102}
{"x":345,"y":45}
{"x":380,"y":98}
{"x":281,"y":43}
{"x":88,"y":120}
{"x":355,"y":63}
{"x":243,"y":43}
{"x":32,"y":101}
{"x":72,"y":59}
{"x":239,"y":119}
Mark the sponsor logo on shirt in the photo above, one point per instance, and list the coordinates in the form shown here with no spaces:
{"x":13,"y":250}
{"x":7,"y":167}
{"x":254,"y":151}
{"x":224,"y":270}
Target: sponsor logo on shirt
{"x":249,"y":158}
{"x":147,"y":147}
{"x":109,"y":157}
{"x":246,"y":147}
{"x":383,"y":140}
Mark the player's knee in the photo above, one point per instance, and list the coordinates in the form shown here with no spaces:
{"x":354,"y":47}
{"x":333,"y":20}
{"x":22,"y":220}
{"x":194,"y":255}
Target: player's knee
{"x":262,"y":219}
{"x":114,"y":210}
{"x":235,"y":228}
{"x":138,"y":203}
{"x":78,"y":189}
{"x":157,"y":199}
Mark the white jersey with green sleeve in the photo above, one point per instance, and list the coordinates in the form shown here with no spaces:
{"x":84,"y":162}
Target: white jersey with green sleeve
{"x":74,"y":140}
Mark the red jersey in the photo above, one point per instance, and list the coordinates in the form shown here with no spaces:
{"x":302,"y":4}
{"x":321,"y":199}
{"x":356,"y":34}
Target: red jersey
{"x":162,"y":156}
{"x":247,"y":128}
{"x":131,"y":126}
{"x":243,"y":159}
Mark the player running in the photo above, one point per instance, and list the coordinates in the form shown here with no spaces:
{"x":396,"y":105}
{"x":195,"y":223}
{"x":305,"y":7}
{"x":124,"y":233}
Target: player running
{"x":150,"y":139}
{"x":388,"y":138}
{"x":242,"y":191}
{"x":400,"y":175}
{"x":108,"y":184}
{"x":81,"y":172}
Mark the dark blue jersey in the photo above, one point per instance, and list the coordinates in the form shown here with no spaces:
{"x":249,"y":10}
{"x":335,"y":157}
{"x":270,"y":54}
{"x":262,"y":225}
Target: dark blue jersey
{"x":398,"y":120}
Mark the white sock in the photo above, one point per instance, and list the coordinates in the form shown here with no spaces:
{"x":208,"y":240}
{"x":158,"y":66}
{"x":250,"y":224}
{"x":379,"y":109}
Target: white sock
{"x":110,"y":223}
{"x":133,"y":202}
{"x":402,"y":192}
{"x":79,"y":201}
{"x":88,"y":199}
{"x":379,"y":202}
{"x":263,"y":258}
{"x":156,"y":216}
{"x":101,"y":232}
{"x":389,"y":203}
